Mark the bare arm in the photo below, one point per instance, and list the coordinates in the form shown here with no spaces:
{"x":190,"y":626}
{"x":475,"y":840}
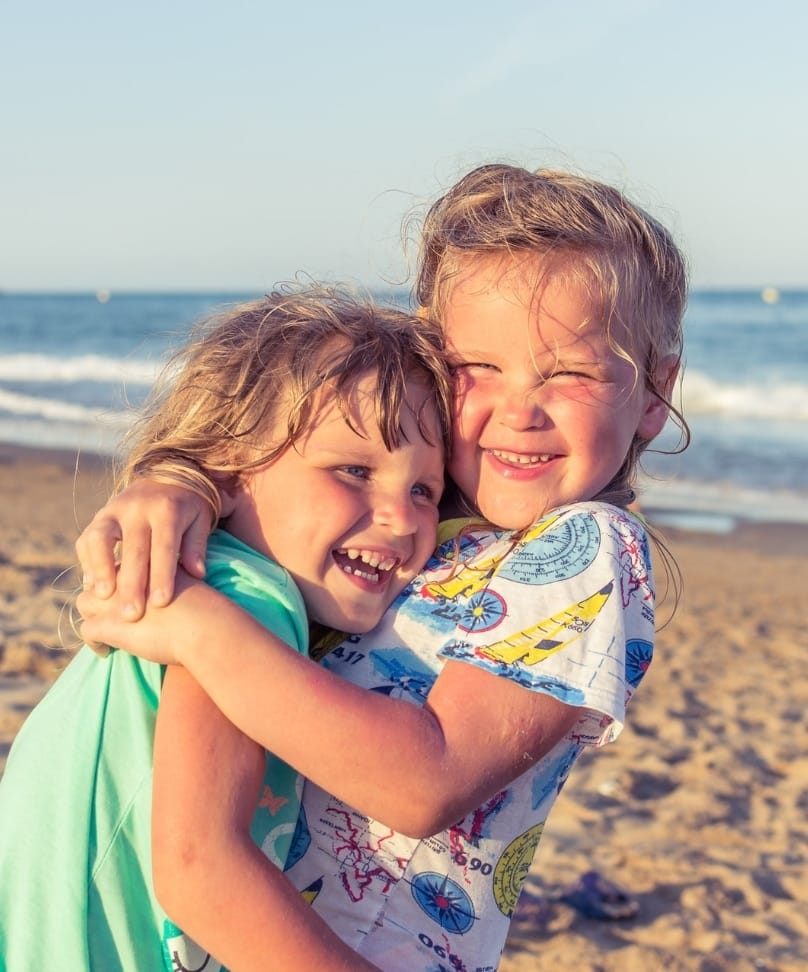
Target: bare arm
{"x":211,"y":878}
{"x":156,"y":526}
{"x":475,"y":734}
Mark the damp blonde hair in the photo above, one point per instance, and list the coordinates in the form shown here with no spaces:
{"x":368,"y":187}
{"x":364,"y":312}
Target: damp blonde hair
{"x":266,"y":365}
{"x":590,"y":235}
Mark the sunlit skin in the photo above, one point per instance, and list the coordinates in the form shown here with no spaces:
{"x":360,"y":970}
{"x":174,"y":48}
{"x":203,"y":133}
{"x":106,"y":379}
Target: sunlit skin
{"x":546,"y":410}
{"x":360,"y":520}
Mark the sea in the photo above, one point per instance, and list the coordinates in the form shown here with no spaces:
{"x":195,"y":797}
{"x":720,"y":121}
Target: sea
{"x":74,"y":368}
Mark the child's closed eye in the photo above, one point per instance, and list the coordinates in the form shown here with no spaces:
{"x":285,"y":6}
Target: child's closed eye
{"x":472,"y":366}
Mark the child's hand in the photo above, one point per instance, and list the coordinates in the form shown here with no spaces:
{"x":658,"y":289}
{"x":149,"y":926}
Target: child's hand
{"x":105,"y":622}
{"x":150,"y":527}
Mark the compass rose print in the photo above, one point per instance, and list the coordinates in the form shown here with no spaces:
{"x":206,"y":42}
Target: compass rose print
{"x":483,"y":611}
{"x":444,"y":901}
{"x":638,"y":658}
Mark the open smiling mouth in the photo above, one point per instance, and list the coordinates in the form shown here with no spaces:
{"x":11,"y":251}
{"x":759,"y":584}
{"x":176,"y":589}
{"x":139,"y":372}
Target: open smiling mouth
{"x":370,"y":565}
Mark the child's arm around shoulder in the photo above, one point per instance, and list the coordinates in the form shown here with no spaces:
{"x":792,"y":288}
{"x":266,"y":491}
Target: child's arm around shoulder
{"x":210,"y":877}
{"x":475,"y":734}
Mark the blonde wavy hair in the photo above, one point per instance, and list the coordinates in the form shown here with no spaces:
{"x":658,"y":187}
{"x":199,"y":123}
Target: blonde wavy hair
{"x":583,"y":231}
{"x":265,"y":365}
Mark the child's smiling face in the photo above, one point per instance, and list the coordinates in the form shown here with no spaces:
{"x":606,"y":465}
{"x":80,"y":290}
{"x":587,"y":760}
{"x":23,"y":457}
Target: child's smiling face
{"x":546,"y":408}
{"x":352,"y":522}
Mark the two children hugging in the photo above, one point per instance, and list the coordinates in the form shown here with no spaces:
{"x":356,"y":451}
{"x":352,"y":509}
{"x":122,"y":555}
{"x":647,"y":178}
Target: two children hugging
{"x":434,"y":746}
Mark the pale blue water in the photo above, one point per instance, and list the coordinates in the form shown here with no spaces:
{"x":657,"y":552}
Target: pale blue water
{"x":71,"y":368}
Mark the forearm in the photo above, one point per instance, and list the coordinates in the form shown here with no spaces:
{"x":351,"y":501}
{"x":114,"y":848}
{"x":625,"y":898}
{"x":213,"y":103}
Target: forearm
{"x":239,"y":907}
{"x":446,"y":757}
{"x":416,"y":769}
{"x":329,"y":730}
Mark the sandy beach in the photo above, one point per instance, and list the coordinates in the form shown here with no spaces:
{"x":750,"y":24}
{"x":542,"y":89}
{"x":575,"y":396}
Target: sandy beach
{"x":699,"y":811}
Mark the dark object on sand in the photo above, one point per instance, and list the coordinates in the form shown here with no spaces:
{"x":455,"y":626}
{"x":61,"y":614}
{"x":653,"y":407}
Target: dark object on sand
{"x":596,"y":897}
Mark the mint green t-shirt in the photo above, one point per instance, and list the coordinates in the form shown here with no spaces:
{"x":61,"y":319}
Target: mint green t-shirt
{"x":75,"y":799}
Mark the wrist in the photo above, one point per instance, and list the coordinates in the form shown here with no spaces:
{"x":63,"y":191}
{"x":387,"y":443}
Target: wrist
{"x":199,"y":625}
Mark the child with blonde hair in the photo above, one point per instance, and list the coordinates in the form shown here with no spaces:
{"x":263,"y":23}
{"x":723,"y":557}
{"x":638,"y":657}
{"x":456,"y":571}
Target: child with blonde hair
{"x":316,"y":426}
{"x":435,"y":746}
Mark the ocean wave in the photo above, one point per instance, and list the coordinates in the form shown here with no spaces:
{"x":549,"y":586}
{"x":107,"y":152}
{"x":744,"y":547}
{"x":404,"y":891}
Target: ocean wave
{"x":60,"y":411}
{"x":783,"y":401}
{"x":87,"y":367}
{"x":691,"y":499}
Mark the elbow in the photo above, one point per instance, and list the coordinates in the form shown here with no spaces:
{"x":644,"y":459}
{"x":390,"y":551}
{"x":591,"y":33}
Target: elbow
{"x":419,"y":811}
{"x":420,"y":815}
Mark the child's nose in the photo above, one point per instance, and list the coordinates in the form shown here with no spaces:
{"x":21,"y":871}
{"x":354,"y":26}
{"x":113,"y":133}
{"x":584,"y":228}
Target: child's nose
{"x":521,"y":410}
{"x":396,"y":512}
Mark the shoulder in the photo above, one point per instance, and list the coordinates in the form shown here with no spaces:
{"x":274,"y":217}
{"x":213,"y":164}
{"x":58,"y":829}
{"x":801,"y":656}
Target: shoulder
{"x":605,"y":512}
{"x":258,"y":584}
{"x":229,"y":557}
{"x":571,"y":538}
{"x":613,"y":523}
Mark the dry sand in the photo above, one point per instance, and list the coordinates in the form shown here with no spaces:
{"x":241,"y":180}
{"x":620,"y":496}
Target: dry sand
{"x":700,"y":810}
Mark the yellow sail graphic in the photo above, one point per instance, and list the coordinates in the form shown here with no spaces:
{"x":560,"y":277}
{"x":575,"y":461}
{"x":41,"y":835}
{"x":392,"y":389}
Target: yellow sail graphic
{"x":468,"y":580}
{"x":541,"y":640}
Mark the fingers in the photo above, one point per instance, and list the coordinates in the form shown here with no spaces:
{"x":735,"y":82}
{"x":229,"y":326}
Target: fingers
{"x":177,"y":536}
{"x":193,"y":547}
{"x":136,"y":559}
{"x":135,"y":542}
{"x":77,"y":626}
{"x":80,"y":627}
{"x":91,"y":617}
{"x":95,"y":549}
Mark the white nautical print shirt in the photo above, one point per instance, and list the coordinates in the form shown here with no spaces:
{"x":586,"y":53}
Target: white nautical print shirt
{"x":568,"y":611}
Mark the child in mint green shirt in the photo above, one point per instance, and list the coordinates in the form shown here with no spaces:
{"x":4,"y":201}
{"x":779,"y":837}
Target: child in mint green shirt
{"x":323,"y":422}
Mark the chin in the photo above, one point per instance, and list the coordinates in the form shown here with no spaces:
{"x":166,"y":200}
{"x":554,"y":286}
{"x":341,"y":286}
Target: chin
{"x":510,"y":519}
{"x":358,"y":627}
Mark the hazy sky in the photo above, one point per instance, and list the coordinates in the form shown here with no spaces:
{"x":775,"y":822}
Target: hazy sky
{"x":227,"y":145}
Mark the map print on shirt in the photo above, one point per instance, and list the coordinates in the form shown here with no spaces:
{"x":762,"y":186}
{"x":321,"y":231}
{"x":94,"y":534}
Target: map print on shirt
{"x":565,"y":610}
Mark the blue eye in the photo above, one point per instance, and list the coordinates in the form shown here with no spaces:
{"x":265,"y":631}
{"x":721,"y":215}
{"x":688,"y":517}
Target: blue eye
{"x":421,"y":489}
{"x":357,"y":472}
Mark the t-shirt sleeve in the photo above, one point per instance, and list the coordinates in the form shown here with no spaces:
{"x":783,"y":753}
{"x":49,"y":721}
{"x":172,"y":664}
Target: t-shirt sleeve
{"x":568,"y":611}
{"x":261,"y":587}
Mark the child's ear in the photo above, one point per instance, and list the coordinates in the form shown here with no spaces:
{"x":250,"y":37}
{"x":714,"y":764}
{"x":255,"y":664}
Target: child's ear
{"x":656,"y":411}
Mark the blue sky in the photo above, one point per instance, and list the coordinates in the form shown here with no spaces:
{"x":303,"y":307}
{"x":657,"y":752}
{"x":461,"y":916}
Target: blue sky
{"x":199,"y":145}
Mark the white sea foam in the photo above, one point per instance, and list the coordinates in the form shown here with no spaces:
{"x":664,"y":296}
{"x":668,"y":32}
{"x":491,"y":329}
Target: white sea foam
{"x":61,"y":411}
{"x":783,"y":401}
{"x":700,"y":505}
{"x":86,"y":367}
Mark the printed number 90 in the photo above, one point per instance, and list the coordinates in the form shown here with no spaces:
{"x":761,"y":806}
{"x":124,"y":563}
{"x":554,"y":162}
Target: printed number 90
{"x":474,"y":864}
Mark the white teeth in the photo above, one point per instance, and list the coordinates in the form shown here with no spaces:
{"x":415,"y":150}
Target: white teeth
{"x":370,"y":557}
{"x":373,"y":578}
{"x":518,"y":458}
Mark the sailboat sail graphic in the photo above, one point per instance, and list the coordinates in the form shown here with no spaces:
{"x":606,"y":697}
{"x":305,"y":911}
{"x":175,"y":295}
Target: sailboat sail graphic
{"x":541,"y":640}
